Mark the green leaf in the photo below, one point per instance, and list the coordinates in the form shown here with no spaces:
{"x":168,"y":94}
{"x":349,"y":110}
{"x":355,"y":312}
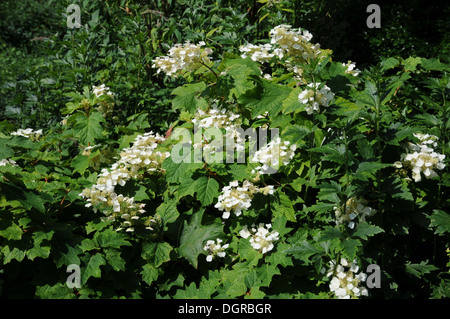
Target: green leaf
{"x":367,"y":170}
{"x":93,"y":267}
{"x":410,"y":64}
{"x":237,"y":289}
{"x":266,"y":272}
{"x":389,"y":63}
{"x":266,"y":97}
{"x":174,"y":172}
{"x":440,"y":220}
{"x":292,"y":104}
{"x":80,"y":163}
{"x":13,"y":232}
{"x":57,"y":291}
{"x":156,"y":253}
{"x":114,"y":260}
{"x":350,"y":247}
{"x":111,"y":239}
{"x":330,"y":233}
{"x":365,"y":230}
{"x":5,"y":150}
{"x":9,"y":254}
{"x":419,"y":270}
{"x":207,"y":189}
{"x":283,"y":205}
{"x":186,"y":97}
{"x":195,"y":235}
{"x":88,"y":128}
{"x":149,"y":273}
{"x":242,"y":72}
{"x":304,"y":251}
{"x":168,"y":211}
{"x":38,"y":250}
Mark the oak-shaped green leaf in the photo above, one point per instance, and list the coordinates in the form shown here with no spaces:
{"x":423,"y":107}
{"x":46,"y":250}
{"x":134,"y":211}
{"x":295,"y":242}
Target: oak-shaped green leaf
{"x":207,"y":189}
{"x":89,"y":128}
{"x":92,"y":269}
{"x":156,"y":253}
{"x":267,"y":96}
{"x":195,"y":235}
{"x":110,"y":238}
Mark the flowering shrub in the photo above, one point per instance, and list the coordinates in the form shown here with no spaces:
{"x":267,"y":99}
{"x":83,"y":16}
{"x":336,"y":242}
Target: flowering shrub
{"x":218,"y":208}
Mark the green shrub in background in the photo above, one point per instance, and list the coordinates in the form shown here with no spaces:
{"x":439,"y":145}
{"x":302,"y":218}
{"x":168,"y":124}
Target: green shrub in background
{"x":89,"y":176}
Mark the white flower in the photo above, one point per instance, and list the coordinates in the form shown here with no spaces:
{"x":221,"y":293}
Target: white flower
{"x":351,"y":68}
{"x":6,"y":161}
{"x":273,"y":154}
{"x":215,"y":248}
{"x":423,"y":158}
{"x":105,"y":106}
{"x":355,"y":209}
{"x":293,"y":43}
{"x":346,"y":281}
{"x":101,"y":90}
{"x":183,"y":57}
{"x":141,"y":156}
{"x":219,"y":119}
{"x":235,"y":198}
{"x":259,"y":53}
{"x":28,"y":133}
{"x":261,"y":238}
{"x":313,"y":97}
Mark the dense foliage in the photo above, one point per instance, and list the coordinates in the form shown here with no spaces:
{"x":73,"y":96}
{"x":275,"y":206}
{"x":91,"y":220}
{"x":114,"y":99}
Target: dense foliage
{"x":112,"y":153}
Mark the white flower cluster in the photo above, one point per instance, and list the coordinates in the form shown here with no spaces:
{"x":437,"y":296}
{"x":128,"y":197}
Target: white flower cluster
{"x":259,"y":53}
{"x":142,"y":155}
{"x":423,"y":158}
{"x":355,"y":209}
{"x":235,"y":198}
{"x":293,"y":43}
{"x":261,"y":238}
{"x":313,"y":97}
{"x":7,"y":161}
{"x":351,"y":68}
{"x":28,"y":133}
{"x":106,"y":107}
{"x":346,"y":281}
{"x":272,"y":155}
{"x":221,"y":119}
{"x":187,"y":57}
{"x":101,"y":90}
{"x":215,"y":248}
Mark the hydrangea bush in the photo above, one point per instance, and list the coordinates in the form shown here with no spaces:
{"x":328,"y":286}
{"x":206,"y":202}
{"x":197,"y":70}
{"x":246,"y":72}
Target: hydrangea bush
{"x":300,"y":208}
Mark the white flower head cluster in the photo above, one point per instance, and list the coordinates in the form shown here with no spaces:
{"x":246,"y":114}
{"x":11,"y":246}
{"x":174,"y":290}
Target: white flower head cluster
{"x":356,"y":210}
{"x":28,"y":133}
{"x":351,"y":68}
{"x":219,"y":119}
{"x":215,"y":248}
{"x":422,"y":158}
{"x":101,"y":90}
{"x":183,"y":57}
{"x":313,"y":97}
{"x":261,"y":238}
{"x":235,"y":198}
{"x":105,"y":106}
{"x":142,"y":155}
{"x":346,"y":281}
{"x":273,"y":154}
{"x":259,"y":53}
{"x":293,"y":43}
{"x":7,"y":161}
